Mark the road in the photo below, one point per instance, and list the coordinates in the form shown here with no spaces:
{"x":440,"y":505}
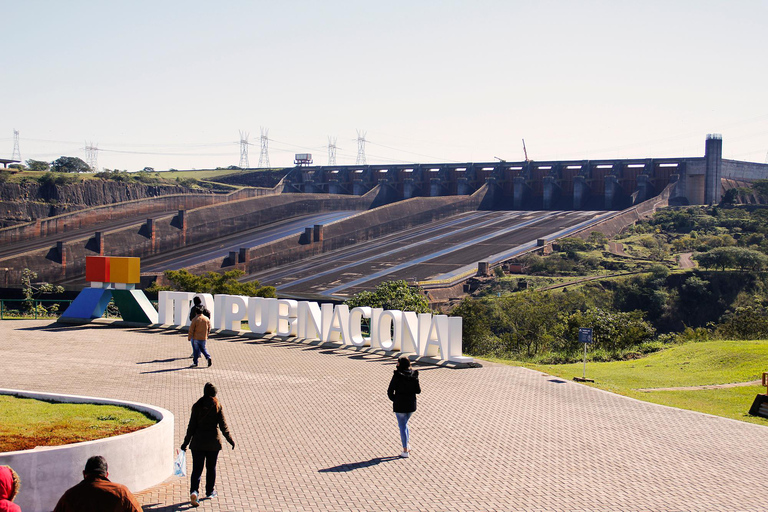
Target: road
{"x":433,"y":251}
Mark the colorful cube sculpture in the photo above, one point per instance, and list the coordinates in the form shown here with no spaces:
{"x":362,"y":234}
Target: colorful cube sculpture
{"x":124,"y":270}
{"x":111,"y":277}
{"x":97,"y":269}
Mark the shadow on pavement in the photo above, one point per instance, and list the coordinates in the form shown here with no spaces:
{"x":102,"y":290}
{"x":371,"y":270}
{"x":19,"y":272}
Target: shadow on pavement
{"x":167,"y":508}
{"x":171,"y":370}
{"x":163,"y":360}
{"x":343,"y":468}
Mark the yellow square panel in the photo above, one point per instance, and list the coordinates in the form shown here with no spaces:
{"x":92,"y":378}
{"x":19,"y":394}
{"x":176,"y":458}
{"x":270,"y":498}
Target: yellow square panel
{"x":124,"y":270}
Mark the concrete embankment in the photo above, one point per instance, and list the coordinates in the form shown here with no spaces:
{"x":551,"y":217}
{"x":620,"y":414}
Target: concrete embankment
{"x":66,"y":260}
{"x":377,"y":222}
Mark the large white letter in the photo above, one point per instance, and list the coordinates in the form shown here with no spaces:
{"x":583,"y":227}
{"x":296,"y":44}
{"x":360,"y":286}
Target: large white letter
{"x":310,"y":325}
{"x":373,"y":340}
{"x":389,"y":322}
{"x":454,"y":341}
{"x":340,"y":324}
{"x":286,"y":317}
{"x":326,"y":318}
{"x":173,"y":307}
{"x":207,"y":301}
{"x":355,"y":328}
{"x":262,"y":315}
{"x":437,"y":338}
{"x":415,"y":329}
{"x":233,"y":309}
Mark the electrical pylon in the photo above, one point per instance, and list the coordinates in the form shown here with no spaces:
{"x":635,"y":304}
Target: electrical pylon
{"x":243,"y":150}
{"x":264,"y":155}
{"x":331,"y":150}
{"x":92,"y":156}
{"x":16,"y":150}
{"x":360,"y":148}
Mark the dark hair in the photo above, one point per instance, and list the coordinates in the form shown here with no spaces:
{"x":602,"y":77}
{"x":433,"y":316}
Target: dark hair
{"x":209,"y":390}
{"x":403,"y":363}
{"x":96,"y":465}
{"x":197,"y":300}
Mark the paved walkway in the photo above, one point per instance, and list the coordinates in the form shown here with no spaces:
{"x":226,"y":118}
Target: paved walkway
{"x":315,"y":431}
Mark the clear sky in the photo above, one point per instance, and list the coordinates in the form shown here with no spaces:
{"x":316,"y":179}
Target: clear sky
{"x":170,"y":84}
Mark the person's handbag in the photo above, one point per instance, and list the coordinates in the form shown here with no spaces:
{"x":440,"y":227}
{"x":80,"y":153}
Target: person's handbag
{"x":180,"y":463}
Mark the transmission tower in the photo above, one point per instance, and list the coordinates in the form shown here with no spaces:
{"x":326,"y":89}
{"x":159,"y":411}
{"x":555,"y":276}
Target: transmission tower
{"x":16,"y":150}
{"x":331,"y":150}
{"x":264,"y":155}
{"x":243,"y":150}
{"x":360,"y":148}
{"x":92,"y":156}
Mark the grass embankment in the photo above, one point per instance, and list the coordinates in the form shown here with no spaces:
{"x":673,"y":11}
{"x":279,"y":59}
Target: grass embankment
{"x":27,"y":423}
{"x":693,"y":364}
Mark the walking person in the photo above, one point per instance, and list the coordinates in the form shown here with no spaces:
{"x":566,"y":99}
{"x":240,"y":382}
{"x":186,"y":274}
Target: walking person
{"x":202,"y":437}
{"x":198,"y":336}
{"x":197,"y":309}
{"x":9,"y":488}
{"x":402,"y":390}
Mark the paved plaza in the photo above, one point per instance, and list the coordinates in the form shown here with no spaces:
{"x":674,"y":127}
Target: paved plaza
{"x":315,"y":430}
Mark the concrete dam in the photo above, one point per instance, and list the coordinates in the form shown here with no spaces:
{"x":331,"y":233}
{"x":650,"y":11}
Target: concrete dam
{"x":419,"y":222}
{"x":608,"y":184}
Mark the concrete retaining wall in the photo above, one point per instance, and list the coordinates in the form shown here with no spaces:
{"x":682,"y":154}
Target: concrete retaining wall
{"x":364,"y":226}
{"x":176,"y":231}
{"x":51,"y":226}
{"x":138,"y":460}
{"x":746,"y":171}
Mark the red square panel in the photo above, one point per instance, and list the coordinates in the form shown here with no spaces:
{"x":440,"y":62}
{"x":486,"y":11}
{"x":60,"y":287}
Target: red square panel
{"x":97,"y":269}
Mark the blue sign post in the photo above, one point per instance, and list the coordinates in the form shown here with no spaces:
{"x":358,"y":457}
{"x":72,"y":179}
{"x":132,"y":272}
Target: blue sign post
{"x":585,"y":337}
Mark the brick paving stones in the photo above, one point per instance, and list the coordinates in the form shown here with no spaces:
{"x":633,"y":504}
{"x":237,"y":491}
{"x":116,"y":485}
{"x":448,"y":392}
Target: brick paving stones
{"x":315,"y":431}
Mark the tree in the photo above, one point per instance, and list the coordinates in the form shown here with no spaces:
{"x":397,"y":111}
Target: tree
{"x":33,"y":290}
{"x":213,"y":282}
{"x":69,"y":164}
{"x":38,"y":165}
{"x":612,"y":330}
{"x":395,"y":295}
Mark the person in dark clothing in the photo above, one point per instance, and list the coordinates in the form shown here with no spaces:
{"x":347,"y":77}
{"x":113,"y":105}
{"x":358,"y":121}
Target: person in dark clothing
{"x":96,"y":493}
{"x":202,"y":437}
{"x":402,"y":390}
{"x":197,"y":309}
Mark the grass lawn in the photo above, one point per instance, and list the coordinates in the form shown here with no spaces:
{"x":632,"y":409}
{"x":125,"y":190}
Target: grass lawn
{"x":691,"y":364}
{"x":27,"y":422}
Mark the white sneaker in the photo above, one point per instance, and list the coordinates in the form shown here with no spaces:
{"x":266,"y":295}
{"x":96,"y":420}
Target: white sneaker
{"x":193,"y":499}
{"x":404,"y":455}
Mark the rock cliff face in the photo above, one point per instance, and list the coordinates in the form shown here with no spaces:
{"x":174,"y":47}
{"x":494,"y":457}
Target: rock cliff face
{"x":26,"y":202}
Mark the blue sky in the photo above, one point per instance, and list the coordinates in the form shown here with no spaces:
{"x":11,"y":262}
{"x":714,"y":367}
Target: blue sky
{"x":170,"y":84}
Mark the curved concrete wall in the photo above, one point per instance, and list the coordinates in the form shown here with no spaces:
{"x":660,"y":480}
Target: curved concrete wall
{"x":138,"y":460}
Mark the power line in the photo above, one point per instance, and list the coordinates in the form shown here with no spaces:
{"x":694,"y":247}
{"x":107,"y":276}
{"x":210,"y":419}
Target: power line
{"x":331,"y":150}
{"x":92,"y":156}
{"x":360,"y":148}
{"x":16,"y":150}
{"x":243,"y":151}
{"x":264,"y":155}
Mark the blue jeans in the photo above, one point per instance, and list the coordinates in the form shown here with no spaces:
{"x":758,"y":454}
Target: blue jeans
{"x":198,"y":346}
{"x":402,"y":422}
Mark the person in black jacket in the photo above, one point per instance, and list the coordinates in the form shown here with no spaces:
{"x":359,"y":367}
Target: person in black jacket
{"x":402,"y":390}
{"x":203,"y":437}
